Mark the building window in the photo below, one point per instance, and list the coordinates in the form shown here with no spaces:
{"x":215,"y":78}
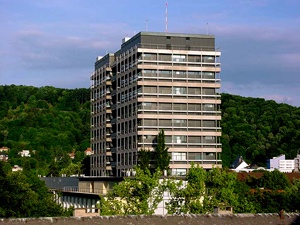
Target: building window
{"x":178,"y":172}
{"x":179,"y":123}
{"x":150,"y":89}
{"x":209,"y":123}
{"x":179,"y":74}
{"x":165,"y":123}
{"x":179,"y":139}
{"x":208,"y":59}
{"x":165,"y":106}
{"x":179,"y":106}
{"x":194,"y":139}
{"x":208,"y":75}
{"x":148,"y":56}
{"x":195,"y":156}
{"x":209,"y":139}
{"x":165,"y":73}
{"x":178,"y":58}
{"x":179,"y":90}
{"x":209,"y":156}
{"x":165,"y":90}
{"x":208,"y":107}
{"x":208,"y":91}
{"x":178,"y":156}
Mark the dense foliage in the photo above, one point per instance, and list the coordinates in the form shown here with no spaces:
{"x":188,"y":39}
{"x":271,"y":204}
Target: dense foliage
{"x":139,"y":195}
{"x":23,"y":194}
{"x":219,"y":187}
{"x":159,"y":159}
{"x":202,"y":191}
{"x":258,"y":129}
{"x":161,"y":155}
{"x":48,"y":121}
{"x":52,"y":122}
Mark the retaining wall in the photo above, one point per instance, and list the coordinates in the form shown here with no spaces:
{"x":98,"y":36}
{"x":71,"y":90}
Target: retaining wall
{"x":235,"y":219}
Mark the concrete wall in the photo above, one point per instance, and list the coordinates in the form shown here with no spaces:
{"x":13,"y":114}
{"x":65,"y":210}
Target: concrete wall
{"x":236,"y":219}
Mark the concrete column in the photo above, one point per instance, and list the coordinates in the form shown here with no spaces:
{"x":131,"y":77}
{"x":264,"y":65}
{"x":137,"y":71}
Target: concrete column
{"x":88,"y":205}
{"x":93,"y":205}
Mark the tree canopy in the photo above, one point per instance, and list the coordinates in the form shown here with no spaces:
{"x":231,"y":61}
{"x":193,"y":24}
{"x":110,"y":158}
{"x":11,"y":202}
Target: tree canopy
{"x":258,"y":129}
{"x":134,"y":196}
{"x":53,"y":122}
{"x":161,"y":155}
{"x":23,"y":194}
{"x":200,"y":192}
{"x":49,"y":122}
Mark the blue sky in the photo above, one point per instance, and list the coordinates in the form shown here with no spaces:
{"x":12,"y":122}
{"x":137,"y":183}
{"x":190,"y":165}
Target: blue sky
{"x":56,"y":42}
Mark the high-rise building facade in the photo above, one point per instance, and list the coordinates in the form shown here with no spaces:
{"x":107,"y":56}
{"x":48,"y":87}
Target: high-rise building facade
{"x":156,"y":81}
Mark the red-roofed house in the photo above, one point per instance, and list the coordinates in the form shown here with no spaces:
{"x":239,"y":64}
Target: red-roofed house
{"x":88,"y":151}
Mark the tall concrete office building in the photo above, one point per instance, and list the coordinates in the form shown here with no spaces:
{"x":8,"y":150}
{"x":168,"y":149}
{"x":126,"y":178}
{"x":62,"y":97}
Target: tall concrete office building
{"x":156,"y":81}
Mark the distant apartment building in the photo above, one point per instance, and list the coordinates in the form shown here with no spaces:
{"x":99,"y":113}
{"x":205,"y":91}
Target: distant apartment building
{"x":4,"y":153}
{"x":4,"y":149}
{"x":282,"y":164}
{"x":25,"y":153}
{"x":156,"y":81}
{"x":297,"y":163}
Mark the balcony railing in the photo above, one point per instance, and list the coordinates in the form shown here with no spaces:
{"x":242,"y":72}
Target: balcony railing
{"x":85,"y":190}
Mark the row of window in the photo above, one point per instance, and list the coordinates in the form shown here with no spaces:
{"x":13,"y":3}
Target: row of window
{"x":130,"y":62}
{"x":195,"y":75}
{"x":178,"y":123}
{"x":177,"y":90}
{"x":177,"y":58}
{"x":178,"y":106}
{"x":182,"y":156}
{"x":180,"y":139}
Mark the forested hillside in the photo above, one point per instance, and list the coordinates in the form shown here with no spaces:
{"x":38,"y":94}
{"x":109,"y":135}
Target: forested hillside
{"x":53,"y":122}
{"x":50,"y":122}
{"x":258,"y":129}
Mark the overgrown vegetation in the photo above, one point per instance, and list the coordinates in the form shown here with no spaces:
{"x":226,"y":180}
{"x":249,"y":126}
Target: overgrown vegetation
{"x":258,"y":129}
{"x":201,"y":191}
{"x":52,"y":123}
{"x":159,"y":159}
{"x":55,"y":122}
{"x":23,"y":194}
{"x":49,"y":122}
{"x":139,"y":195}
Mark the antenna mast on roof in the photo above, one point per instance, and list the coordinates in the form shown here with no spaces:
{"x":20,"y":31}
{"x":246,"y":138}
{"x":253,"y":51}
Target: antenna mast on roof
{"x":166,"y":16}
{"x":147,"y":25}
{"x":207,"y":28}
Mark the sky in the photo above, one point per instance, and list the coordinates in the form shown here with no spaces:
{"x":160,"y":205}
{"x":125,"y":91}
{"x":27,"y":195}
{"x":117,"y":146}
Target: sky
{"x":56,"y":42}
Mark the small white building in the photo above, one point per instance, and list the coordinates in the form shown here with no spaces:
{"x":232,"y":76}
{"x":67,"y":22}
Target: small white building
{"x":239,"y":164}
{"x":88,"y":151}
{"x":4,"y":149}
{"x":297,"y":163}
{"x":281,"y":164}
{"x":25,"y":153}
{"x":16,"y":168}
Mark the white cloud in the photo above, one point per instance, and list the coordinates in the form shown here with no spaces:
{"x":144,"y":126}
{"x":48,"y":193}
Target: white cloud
{"x":43,"y":49}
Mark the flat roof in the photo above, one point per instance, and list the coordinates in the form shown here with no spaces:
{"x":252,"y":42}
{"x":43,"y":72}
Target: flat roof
{"x":166,"y":34}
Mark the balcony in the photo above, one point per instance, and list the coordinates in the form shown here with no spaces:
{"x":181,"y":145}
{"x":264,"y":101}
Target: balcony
{"x":108,"y":167}
{"x":108,"y":139}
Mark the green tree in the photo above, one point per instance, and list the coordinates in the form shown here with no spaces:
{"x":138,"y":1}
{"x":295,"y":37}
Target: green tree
{"x":72,"y":169}
{"x":134,"y":196}
{"x":202,"y":191}
{"x":274,"y":180}
{"x":161,"y":155}
{"x":187,"y":196}
{"x":25,"y":195}
{"x":144,"y":159}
